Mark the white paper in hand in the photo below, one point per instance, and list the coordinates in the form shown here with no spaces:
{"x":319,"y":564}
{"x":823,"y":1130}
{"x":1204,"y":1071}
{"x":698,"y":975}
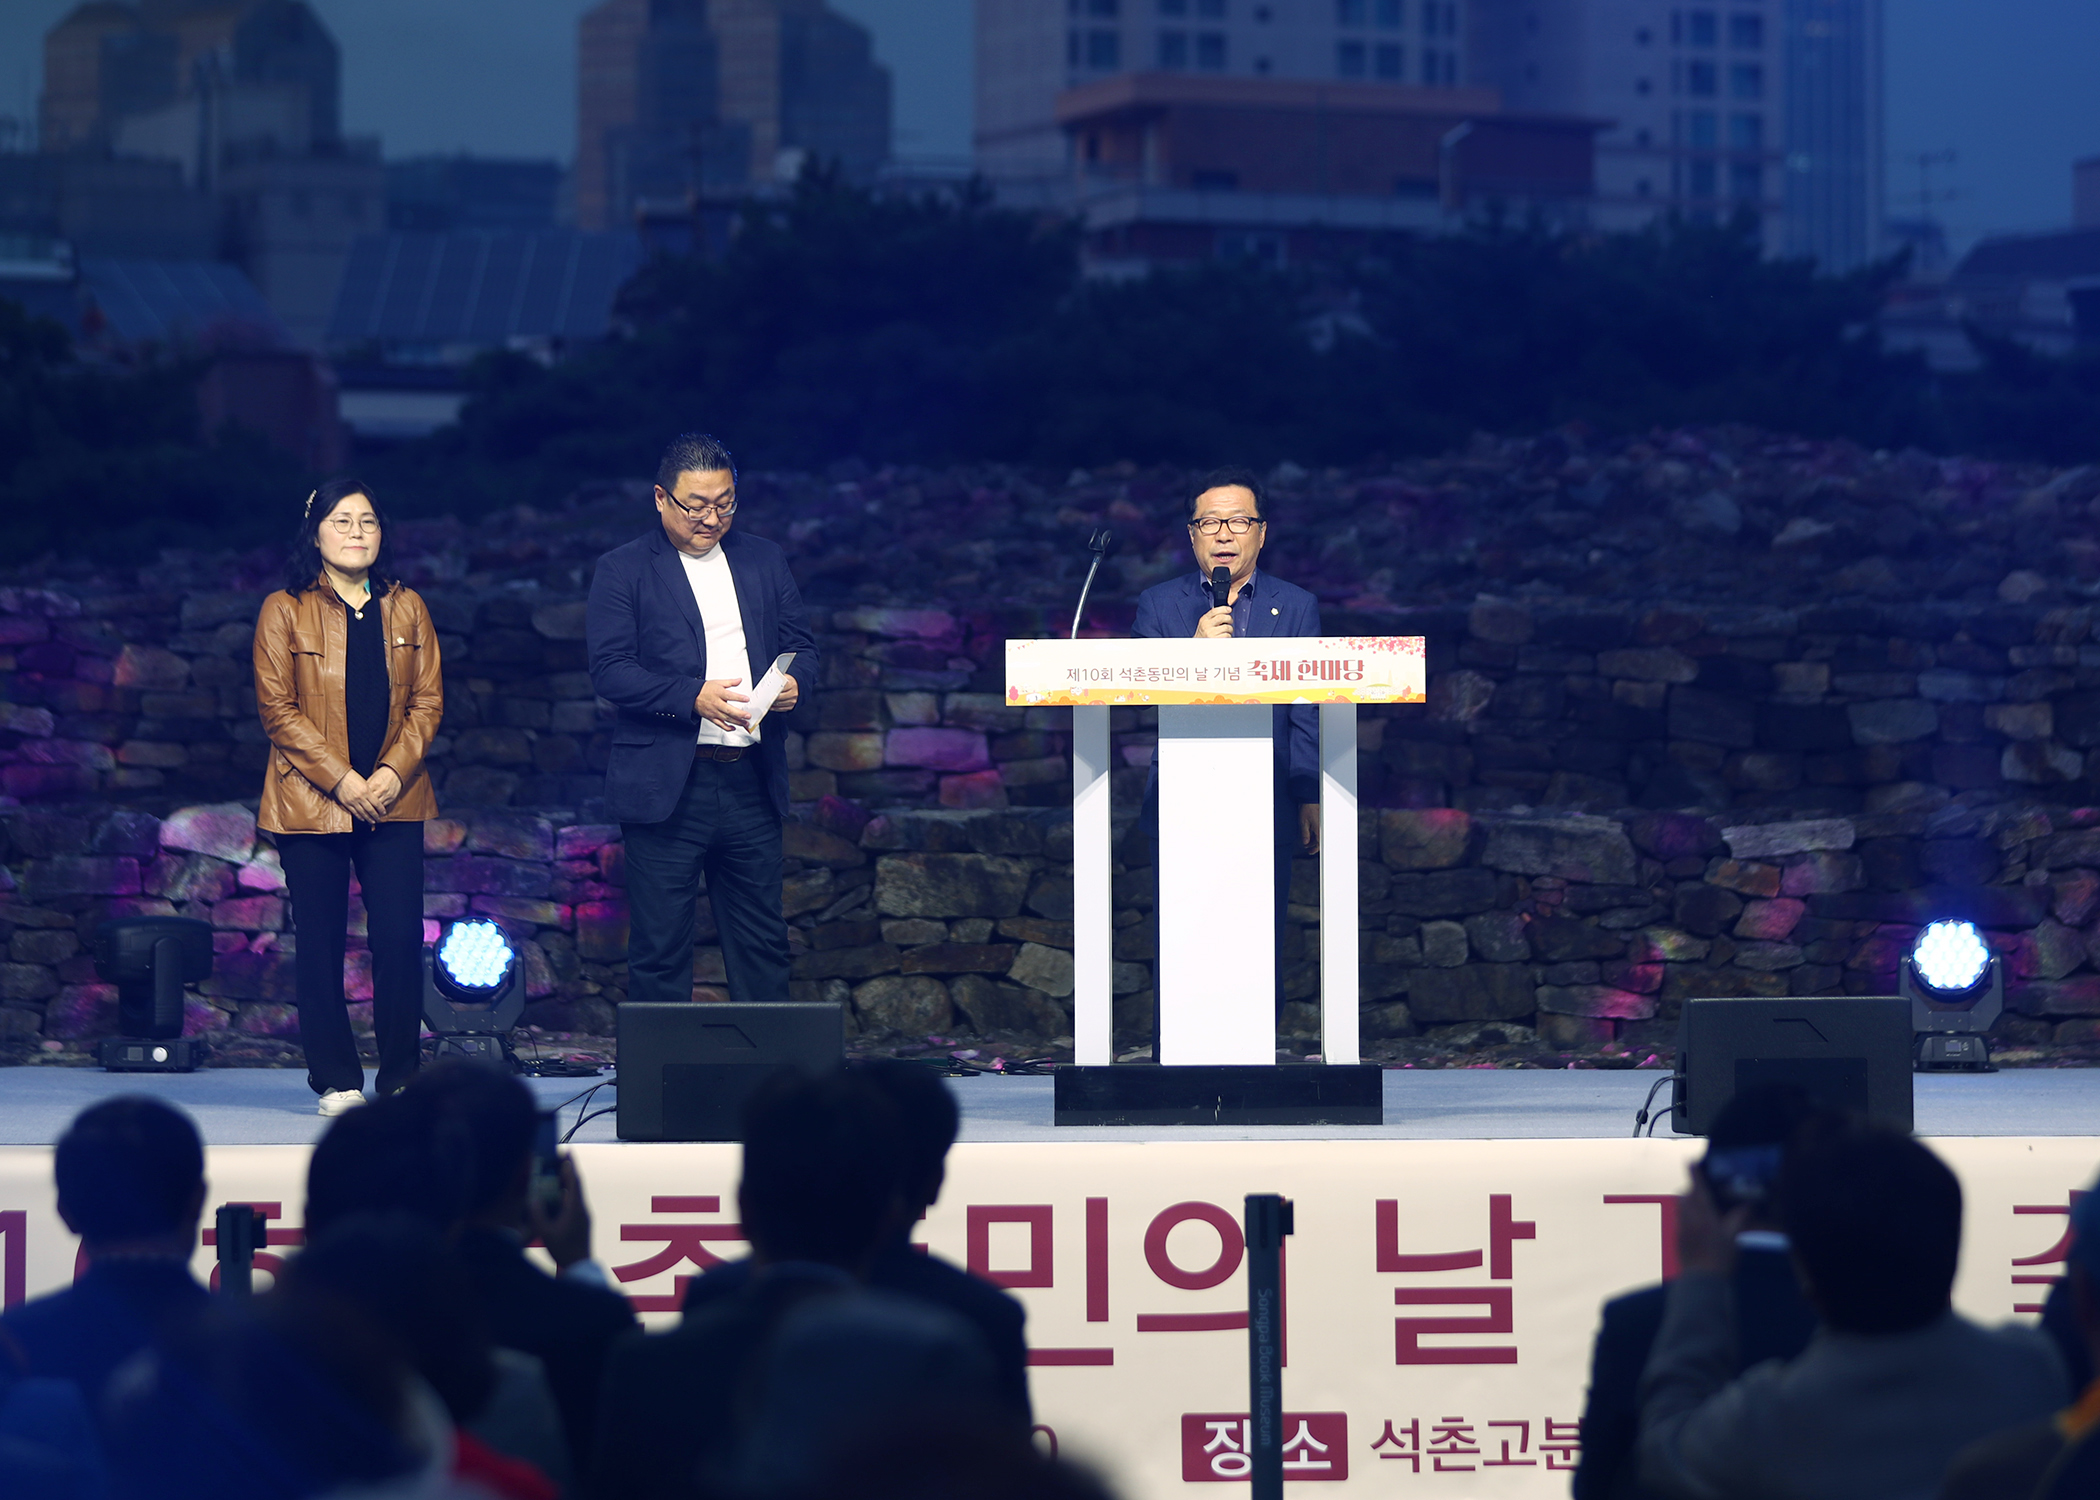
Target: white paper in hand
{"x":769,"y":687}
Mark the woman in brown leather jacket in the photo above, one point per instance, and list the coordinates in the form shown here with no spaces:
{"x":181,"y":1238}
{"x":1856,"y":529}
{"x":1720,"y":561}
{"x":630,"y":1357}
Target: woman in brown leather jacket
{"x":346,"y":679}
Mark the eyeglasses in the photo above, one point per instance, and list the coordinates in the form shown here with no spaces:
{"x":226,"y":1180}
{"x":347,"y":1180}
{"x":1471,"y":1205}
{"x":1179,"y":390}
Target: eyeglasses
{"x":720,"y":510}
{"x":344,"y":525}
{"x":1237,"y":525}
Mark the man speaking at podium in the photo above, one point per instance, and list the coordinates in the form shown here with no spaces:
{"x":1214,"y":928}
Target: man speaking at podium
{"x":1227,"y":525}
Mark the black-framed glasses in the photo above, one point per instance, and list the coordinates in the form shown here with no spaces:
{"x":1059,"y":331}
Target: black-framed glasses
{"x":721,"y":509}
{"x":1237,"y":525}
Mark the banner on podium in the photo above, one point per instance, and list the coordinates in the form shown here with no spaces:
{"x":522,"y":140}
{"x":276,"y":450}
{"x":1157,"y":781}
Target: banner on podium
{"x":1274,"y":669}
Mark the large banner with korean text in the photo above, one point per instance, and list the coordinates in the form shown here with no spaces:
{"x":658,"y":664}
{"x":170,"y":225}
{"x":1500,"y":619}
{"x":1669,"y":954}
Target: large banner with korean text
{"x":1440,"y":1296}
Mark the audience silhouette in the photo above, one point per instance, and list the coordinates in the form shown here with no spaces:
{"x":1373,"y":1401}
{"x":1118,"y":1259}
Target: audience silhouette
{"x":768,"y":1389}
{"x":411,"y":1350}
{"x":569,"y":1320}
{"x":1894,"y":1382}
{"x":130,"y":1177}
{"x":927,"y":1120}
{"x":1772,"y":1318}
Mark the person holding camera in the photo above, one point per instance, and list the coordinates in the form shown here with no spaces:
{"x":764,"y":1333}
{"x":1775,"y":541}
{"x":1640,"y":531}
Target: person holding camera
{"x":347,"y":683}
{"x":1773,"y":1319}
{"x":1893,"y":1384}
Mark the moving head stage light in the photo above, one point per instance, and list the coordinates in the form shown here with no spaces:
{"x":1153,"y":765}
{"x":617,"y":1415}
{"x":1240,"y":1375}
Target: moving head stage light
{"x":151,"y":960}
{"x":1956,"y":989}
{"x":472,"y":992}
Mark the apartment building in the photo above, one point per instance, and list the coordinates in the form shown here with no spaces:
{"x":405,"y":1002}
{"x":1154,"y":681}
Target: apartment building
{"x":1031,"y":51}
{"x":1771,"y":107}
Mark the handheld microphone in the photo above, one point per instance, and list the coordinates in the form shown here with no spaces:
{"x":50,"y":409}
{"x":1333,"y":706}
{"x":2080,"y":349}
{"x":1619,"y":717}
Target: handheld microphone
{"x":1220,"y":587}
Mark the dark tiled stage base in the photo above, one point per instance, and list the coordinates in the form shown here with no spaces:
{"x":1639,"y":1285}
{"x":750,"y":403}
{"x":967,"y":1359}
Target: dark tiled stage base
{"x":1147,"y":1094}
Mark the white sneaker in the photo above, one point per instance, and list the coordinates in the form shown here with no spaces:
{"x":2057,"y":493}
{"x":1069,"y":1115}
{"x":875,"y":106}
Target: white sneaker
{"x":340,"y":1101}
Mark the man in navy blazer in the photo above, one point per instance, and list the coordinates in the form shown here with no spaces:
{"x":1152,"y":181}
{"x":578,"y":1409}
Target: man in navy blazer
{"x":1227,"y":525}
{"x":683,"y":623}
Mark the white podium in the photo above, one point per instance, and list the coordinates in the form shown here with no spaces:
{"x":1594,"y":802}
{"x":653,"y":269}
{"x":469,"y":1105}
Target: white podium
{"x":1217,"y":1001}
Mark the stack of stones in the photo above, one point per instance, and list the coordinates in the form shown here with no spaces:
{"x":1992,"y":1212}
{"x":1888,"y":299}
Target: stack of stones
{"x":1524,"y":933}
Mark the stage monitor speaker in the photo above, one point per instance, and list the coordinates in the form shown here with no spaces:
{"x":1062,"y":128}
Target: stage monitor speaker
{"x":1848,"y":1052}
{"x":685,"y":1068}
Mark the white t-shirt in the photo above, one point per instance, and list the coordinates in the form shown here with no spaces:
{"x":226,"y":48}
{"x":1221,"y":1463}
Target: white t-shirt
{"x":727,"y":654}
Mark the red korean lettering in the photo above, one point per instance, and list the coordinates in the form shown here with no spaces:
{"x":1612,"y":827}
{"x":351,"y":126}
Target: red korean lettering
{"x":683,"y":1244}
{"x":1217,"y":1447}
{"x":1561,"y":1442}
{"x":2055,"y":1255}
{"x":1499,"y":1301}
{"x":1097,"y":1260}
{"x":1504,"y":1231}
{"x":14,"y":1257}
{"x":1232,"y":1249}
{"x":1452,"y":1438}
{"x":1037,"y":1216}
{"x":1404,"y":1444}
{"x":1522,"y":1440}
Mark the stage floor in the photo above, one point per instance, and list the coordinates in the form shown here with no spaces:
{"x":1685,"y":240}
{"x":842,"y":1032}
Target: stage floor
{"x":272,"y":1106}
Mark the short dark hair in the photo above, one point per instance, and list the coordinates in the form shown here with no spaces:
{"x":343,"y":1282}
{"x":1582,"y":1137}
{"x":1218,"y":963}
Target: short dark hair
{"x":1875,"y":1221}
{"x":1231,"y":475}
{"x":398,"y":1155}
{"x":128,"y":1167}
{"x":820,"y":1170}
{"x":496,"y":1116}
{"x":692,"y":450}
{"x":304,"y":569}
{"x":927,"y":1118}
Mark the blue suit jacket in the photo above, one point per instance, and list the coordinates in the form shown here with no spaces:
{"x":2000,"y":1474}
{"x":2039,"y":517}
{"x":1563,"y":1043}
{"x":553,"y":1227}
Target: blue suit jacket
{"x":85,"y":1332}
{"x":1266,"y":607}
{"x":649,"y":660}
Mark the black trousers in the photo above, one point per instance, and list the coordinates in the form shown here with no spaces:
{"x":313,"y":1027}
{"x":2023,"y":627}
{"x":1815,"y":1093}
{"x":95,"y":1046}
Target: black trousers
{"x":723,"y":827}
{"x":388,"y":858}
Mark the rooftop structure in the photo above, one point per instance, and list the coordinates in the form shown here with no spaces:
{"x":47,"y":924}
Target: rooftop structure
{"x":1030,"y":52}
{"x":441,"y":298}
{"x":1177,"y":166}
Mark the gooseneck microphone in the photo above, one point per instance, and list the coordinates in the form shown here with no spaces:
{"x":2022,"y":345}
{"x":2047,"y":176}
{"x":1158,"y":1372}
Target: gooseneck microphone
{"x":1098,"y":544}
{"x":1220,"y":587}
